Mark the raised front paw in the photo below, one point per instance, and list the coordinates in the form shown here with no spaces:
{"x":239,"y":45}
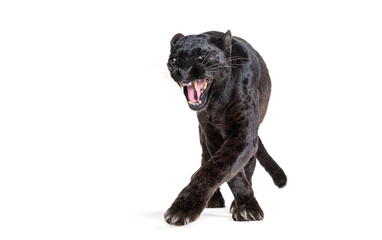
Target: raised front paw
{"x":180,"y":213}
{"x":249,"y":211}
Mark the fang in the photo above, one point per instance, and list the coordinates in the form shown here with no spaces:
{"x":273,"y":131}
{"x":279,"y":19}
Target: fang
{"x":195,"y":85}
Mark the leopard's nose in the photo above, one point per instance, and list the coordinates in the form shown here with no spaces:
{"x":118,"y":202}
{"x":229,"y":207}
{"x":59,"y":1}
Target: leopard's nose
{"x":186,"y":73}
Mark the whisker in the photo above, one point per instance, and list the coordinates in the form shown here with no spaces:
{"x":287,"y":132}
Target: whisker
{"x":230,"y":46}
{"x":159,"y":60}
{"x":214,"y":65}
{"x":207,"y":56}
{"x":215,"y":70}
{"x":221,"y":66}
{"x":237,"y":59}
{"x":151,"y":66}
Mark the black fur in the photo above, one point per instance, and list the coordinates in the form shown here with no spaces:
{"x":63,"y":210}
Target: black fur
{"x":230,"y":109}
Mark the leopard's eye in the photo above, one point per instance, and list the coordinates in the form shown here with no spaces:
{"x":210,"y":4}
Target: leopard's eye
{"x":175,"y":59}
{"x":202,"y":56}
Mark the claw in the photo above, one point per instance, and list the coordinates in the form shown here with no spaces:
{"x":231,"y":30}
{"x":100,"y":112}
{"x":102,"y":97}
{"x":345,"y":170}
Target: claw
{"x":244,"y":215}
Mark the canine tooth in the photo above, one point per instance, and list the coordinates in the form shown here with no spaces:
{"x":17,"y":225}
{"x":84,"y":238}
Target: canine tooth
{"x":181,"y":86}
{"x":205,"y":86}
{"x":199,"y":102}
{"x":189,"y":102}
{"x":195,"y":85}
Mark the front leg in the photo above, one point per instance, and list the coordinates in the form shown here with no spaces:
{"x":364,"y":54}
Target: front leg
{"x":224,"y":165}
{"x":217,"y":200}
{"x":187,"y":206}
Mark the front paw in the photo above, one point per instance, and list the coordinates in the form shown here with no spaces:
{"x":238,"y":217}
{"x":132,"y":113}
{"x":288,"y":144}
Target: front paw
{"x":181,"y":213}
{"x":176,"y":217}
{"x":249,"y":211}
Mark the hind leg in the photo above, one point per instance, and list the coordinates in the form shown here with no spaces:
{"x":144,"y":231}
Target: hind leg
{"x":248,"y":170}
{"x":250,"y":167}
{"x":245,"y":206}
{"x":216,"y":201}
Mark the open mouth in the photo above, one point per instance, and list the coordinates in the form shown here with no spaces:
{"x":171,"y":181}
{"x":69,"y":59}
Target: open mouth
{"x":196,"y":92}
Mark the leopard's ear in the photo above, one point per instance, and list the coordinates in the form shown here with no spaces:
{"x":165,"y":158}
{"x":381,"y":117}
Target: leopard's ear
{"x":225,"y":43}
{"x":176,"y":38}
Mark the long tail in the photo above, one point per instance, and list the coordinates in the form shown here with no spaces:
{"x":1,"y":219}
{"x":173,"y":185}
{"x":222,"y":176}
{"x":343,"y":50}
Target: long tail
{"x":277,"y":174}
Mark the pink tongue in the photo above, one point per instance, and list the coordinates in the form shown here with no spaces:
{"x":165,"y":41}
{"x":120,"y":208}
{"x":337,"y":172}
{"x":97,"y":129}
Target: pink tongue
{"x":193,"y":95}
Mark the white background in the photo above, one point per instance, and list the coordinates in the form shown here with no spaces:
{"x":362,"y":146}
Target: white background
{"x":96,"y":141}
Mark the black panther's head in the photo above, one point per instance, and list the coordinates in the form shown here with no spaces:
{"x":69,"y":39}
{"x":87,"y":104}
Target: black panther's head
{"x":198,"y":62}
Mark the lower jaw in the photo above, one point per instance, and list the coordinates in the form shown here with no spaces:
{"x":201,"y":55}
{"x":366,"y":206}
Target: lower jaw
{"x":196,"y":105}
